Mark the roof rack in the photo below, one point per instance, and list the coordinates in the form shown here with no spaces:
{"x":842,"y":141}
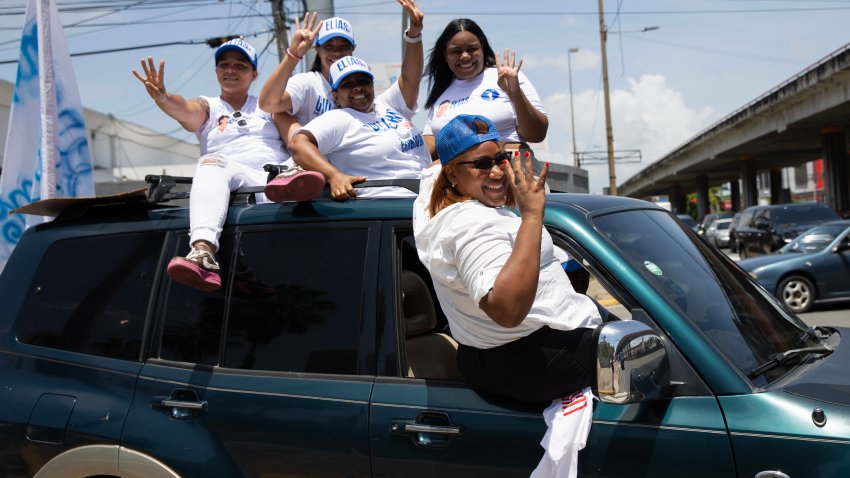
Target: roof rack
{"x":159,"y":187}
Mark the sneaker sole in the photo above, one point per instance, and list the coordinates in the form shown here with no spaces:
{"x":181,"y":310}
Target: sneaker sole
{"x":185,"y":272}
{"x":303,"y":186}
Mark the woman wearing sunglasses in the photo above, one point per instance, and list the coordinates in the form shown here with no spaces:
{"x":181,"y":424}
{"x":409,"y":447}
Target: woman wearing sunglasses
{"x":465,"y":76}
{"x":237,"y":139}
{"x":523,"y":331}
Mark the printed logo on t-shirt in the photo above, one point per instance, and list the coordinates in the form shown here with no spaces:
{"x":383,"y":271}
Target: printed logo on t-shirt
{"x":443,"y":107}
{"x":323,"y":105}
{"x":490,"y":94}
{"x":412,"y":143}
{"x":391,"y":120}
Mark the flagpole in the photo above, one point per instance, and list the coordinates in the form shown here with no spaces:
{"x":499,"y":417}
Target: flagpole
{"x":49,"y":153}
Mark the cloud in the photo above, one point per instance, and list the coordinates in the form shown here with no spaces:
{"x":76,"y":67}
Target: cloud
{"x":583,"y":60}
{"x":649,"y":116}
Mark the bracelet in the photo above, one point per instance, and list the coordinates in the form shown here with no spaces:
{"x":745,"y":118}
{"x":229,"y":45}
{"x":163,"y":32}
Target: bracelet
{"x":293,"y":55}
{"x":408,"y":39}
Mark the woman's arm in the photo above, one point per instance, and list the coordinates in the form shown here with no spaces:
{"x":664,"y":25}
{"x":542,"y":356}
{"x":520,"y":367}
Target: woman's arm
{"x":431,"y":143}
{"x":531,"y":123}
{"x":305,"y":151}
{"x":273,"y":96}
{"x":191,"y":114}
{"x":412,"y":64}
{"x":515,"y":287}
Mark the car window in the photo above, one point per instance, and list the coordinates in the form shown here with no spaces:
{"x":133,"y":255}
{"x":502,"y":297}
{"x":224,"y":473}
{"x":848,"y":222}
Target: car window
{"x":738,"y":317}
{"x":192,"y":318}
{"x":815,"y":239}
{"x":746,"y":218}
{"x":91,"y":295}
{"x":806,"y":213}
{"x":297,"y":298}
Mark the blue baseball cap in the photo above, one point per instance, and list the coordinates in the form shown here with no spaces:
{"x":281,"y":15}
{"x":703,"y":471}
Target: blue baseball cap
{"x":464,"y":132}
{"x":240,"y":45}
{"x":345,"y":66}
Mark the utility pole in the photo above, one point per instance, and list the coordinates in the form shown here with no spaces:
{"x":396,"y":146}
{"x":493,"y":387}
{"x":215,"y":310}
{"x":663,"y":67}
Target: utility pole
{"x":280,"y":32}
{"x":612,"y":176}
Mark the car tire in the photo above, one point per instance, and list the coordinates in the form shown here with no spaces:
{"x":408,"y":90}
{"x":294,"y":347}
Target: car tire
{"x":797,"y":294}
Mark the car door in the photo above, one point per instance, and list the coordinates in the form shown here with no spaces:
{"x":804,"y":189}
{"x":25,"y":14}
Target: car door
{"x":269,"y":376}
{"x":438,"y":426}
{"x":834,"y":270}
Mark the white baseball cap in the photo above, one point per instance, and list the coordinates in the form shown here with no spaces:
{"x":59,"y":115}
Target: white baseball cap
{"x":240,"y":45}
{"x":346,"y":66}
{"x":333,"y":28}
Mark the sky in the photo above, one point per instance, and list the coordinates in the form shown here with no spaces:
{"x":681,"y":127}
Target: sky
{"x":675,"y":67}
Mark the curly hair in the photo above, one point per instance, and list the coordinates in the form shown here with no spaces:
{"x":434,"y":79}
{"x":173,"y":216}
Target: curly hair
{"x":440,"y":76}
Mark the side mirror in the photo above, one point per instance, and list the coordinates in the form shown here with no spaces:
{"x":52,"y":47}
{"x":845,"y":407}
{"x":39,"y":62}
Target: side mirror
{"x":844,"y":245}
{"x":631,"y":363}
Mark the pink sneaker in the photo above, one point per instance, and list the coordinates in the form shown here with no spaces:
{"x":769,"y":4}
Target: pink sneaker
{"x":295,"y":184}
{"x":198,"y":270}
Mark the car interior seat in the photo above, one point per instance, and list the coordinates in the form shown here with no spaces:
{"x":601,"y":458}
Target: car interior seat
{"x":430,"y":353}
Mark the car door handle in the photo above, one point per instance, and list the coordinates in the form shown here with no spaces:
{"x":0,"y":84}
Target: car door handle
{"x":402,"y":426}
{"x":183,"y":404}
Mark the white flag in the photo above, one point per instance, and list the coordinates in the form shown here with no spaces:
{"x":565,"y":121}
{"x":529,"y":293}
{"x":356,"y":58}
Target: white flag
{"x":47,"y":150}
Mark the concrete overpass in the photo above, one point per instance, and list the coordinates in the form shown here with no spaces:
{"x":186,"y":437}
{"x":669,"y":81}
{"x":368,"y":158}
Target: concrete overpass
{"x":805,"y":118}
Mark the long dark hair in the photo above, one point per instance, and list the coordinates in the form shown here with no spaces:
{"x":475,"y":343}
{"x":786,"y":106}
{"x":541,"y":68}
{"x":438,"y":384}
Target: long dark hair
{"x":439,"y":74}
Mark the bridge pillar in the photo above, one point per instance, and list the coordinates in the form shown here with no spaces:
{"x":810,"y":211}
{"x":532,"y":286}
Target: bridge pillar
{"x":702,"y":196}
{"x":748,"y":181}
{"x":735,"y":193}
{"x":837,"y":176}
{"x":678,"y":201}
{"x":776,"y":186}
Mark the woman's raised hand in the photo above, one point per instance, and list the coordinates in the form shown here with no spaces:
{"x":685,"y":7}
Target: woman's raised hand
{"x":416,"y":17}
{"x":529,"y":192}
{"x":508,"y":70}
{"x":304,"y":35}
{"x":153,"y":79}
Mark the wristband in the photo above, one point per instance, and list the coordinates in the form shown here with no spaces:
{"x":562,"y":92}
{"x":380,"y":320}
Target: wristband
{"x":416,"y":39}
{"x":293,"y":55}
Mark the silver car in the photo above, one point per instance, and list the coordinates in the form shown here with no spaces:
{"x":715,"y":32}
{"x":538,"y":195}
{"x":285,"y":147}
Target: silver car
{"x":717,"y":232}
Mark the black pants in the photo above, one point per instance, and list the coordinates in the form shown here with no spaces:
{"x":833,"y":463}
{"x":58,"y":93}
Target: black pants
{"x":540,"y":367}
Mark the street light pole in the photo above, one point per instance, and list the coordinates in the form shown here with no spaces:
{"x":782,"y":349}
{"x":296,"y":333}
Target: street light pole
{"x":612,"y":176}
{"x":572,"y":115}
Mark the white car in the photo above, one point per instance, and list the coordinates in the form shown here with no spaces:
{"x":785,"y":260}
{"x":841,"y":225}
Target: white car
{"x":717,"y":232}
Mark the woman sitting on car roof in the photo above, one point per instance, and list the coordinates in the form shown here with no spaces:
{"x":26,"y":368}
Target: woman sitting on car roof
{"x":237,"y":139}
{"x":368,"y":137}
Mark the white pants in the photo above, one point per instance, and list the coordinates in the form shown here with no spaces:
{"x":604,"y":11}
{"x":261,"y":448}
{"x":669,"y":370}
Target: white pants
{"x":215,"y":177}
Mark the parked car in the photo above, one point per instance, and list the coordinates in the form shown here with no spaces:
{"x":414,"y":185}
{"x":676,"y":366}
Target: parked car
{"x":814,"y":266}
{"x":688,"y":221}
{"x":736,"y":219}
{"x":709,"y":218}
{"x":717,"y":232}
{"x":325,"y":353}
{"x":765,"y":229}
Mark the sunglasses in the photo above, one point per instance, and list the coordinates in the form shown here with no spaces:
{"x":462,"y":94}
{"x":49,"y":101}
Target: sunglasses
{"x":240,"y":119}
{"x":486,"y":163}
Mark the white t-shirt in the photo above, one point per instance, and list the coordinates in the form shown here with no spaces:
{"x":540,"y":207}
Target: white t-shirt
{"x":465,"y":246}
{"x":311,"y":96}
{"x":257,"y":142}
{"x":381,"y":144}
{"x":481,"y":95}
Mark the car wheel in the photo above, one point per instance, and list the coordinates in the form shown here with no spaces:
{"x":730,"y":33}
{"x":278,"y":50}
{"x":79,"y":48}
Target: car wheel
{"x":797,"y":294}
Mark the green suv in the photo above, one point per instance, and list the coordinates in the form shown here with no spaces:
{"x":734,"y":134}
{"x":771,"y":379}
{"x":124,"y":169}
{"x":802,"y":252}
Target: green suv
{"x":326,"y":354}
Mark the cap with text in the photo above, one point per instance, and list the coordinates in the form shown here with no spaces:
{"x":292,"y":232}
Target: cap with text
{"x":335,"y":27}
{"x":240,"y":45}
{"x":462,"y":133}
{"x":347,"y":66}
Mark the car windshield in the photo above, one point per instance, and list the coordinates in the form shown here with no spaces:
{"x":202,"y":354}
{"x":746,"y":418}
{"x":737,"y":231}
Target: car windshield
{"x":744,"y":322}
{"x":721,"y":225}
{"x":803,"y":214}
{"x":815,"y":239}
